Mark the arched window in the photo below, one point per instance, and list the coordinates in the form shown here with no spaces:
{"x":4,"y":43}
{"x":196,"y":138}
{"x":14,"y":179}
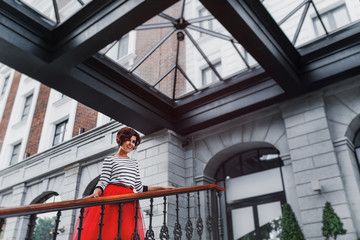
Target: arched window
{"x":357,"y":147}
{"x":41,"y":226}
{"x":254,"y":194}
{"x":2,"y":227}
{"x":91,"y":186}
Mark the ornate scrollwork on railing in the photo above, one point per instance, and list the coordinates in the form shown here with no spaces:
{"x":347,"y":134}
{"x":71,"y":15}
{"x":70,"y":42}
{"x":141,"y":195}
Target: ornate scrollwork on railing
{"x":199,"y":222}
{"x":189,"y":229}
{"x":217,"y":233}
{"x":150,"y":232}
{"x":57,"y":221}
{"x":101,"y":221}
{"x":119,"y":221}
{"x":164,"y":232}
{"x":135,"y":235}
{"x":177,"y":227}
{"x":188,"y":226}
{"x":209,"y":220}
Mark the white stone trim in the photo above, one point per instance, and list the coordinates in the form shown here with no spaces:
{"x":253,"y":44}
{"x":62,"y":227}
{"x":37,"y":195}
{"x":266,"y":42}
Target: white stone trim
{"x":344,"y":141}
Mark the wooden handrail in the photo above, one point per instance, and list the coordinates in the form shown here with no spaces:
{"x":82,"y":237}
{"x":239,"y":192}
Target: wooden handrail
{"x":72,"y":204}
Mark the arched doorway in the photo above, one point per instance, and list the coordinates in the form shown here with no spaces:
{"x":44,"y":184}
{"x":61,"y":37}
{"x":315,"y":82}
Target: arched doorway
{"x":41,"y":226}
{"x":254,"y":193}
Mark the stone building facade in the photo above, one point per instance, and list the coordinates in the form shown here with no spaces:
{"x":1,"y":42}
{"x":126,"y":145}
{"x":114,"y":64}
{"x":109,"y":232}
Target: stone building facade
{"x":313,"y":134}
{"x":304,"y":151}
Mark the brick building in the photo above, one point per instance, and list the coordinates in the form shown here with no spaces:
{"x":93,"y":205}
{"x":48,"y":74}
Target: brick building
{"x":263,"y":100}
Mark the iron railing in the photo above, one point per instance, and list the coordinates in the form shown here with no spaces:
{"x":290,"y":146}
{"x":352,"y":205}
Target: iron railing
{"x":205,"y":199}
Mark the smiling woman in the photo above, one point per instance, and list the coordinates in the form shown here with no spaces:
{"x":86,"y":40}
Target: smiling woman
{"x":119,"y":175}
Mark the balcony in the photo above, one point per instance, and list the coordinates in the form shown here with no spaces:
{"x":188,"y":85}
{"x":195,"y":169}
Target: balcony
{"x":187,"y":213}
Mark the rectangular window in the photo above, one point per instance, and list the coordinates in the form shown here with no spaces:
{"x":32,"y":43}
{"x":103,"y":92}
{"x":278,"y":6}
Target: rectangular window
{"x":208,"y":75}
{"x":6,"y":82}
{"x":60,"y":130}
{"x":205,"y":24}
{"x":123,"y":47}
{"x":333,"y":19}
{"x":15,"y":154}
{"x":27,"y":106}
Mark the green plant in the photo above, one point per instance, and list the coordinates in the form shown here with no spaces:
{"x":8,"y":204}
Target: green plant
{"x":290,"y":229}
{"x":44,"y":228}
{"x":332,"y":226}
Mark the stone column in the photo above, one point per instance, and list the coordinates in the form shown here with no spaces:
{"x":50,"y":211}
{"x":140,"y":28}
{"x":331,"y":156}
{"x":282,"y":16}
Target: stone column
{"x":70,"y":192}
{"x":162,"y":163}
{"x":14,"y":226}
{"x":314,"y":163}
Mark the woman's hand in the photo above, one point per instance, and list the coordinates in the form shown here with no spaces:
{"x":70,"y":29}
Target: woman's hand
{"x":97,"y":193}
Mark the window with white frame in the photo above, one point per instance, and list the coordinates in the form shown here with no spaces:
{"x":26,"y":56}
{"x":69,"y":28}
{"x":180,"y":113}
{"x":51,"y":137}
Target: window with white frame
{"x":332,"y":19}
{"x":59,"y":134}
{"x":27,"y":106}
{"x":15,"y":154}
{"x":205,"y":24}
{"x":208,"y":76}
{"x":123,"y":46}
{"x":6,"y":82}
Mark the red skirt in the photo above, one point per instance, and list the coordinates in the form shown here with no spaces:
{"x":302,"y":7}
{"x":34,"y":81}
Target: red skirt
{"x":110,"y":219}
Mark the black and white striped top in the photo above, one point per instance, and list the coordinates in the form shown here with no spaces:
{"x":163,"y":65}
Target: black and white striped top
{"x":120,"y":170}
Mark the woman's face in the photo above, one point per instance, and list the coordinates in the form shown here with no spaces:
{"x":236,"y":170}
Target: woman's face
{"x":128,"y":146}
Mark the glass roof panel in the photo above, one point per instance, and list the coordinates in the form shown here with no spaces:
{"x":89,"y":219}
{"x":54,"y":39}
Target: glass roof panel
{"x":182,"y":50}
{"x":304,"y":21}
{"x":56,"y":11}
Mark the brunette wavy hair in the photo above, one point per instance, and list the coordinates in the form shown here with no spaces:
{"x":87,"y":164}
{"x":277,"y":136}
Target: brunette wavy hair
{"x":125,"y":134}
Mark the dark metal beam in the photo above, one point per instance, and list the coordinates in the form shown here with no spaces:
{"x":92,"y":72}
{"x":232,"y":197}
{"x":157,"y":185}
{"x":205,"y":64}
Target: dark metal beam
{"x":65,"y":58}
{"x":331,"y":59}
{"x":111,"y":94}
{"x":251,"y":32}
{"x":229,"y":107}
{"x":336,"y":66}
{"x":21,"y":48}
{"x":59,"y":63}
{"x":106,"y":26}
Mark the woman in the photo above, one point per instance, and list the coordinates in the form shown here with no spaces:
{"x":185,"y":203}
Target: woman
{"x":119,"y":175}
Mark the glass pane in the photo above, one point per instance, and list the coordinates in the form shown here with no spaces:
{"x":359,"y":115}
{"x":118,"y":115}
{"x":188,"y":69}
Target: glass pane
{"x":66,"y":8}
{"x":6,"y":81}
{"x":288,"y":15}
{"x":232,"y":168}
{"x":2,"y":228}
{"x":256,"y":184}
{"x":44,"y":7}
{"x":270,"y":220}
{"x":153,"y":57}
{"x":27,"y":106}
{"x":243,"y":223}
{"x":250,"y":162}
{"x":15,"y":154}
{"x":341,"y":16}
{"x":45,"y":223}
{"x":357,"y":139}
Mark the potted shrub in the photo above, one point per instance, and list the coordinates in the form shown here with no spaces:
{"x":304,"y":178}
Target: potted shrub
{"x":332,"y":225}
{"x":290,"y":229}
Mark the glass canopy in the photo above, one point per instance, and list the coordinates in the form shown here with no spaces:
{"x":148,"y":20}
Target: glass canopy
{"x":182,"y":50}
{"x":56,"y":11}
{"x":304,"y":21}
